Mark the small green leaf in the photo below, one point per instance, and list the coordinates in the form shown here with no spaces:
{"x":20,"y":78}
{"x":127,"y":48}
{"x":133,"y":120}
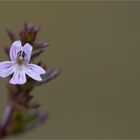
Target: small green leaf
{"x":18,"y":122}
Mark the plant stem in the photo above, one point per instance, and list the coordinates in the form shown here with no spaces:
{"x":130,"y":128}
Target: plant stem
{"x":4,"y":123}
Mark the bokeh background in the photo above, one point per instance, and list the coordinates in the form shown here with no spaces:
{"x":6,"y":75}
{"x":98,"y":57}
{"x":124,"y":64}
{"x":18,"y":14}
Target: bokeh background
{"x":97,"y":47}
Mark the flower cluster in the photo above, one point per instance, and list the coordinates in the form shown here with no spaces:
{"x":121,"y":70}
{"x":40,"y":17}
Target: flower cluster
{"x":21,"y":112}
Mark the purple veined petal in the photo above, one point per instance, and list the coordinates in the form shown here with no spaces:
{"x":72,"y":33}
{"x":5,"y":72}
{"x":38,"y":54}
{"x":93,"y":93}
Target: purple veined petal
{"x":15,"y":47}
{"x":34,"y":71}
{"x":6,"y":68}
{"x":19,"y":76}
{"x":27,"y":48}
{"x":37,"y":69}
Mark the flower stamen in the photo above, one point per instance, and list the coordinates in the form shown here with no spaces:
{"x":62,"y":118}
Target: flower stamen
{"x":21,"y":54}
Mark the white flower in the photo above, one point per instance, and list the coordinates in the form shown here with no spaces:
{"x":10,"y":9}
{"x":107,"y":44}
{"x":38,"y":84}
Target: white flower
{"x":19,"y":64}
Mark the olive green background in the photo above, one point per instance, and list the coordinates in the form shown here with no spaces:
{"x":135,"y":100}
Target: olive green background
{"x":97,"y":47}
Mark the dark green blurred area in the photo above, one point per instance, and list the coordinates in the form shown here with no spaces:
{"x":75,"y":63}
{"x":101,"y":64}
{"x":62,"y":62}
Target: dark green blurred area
{"x":97,"y":47}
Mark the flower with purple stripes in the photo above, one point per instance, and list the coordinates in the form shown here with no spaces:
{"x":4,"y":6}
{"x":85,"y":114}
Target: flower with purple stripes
{"x":19,"y":65}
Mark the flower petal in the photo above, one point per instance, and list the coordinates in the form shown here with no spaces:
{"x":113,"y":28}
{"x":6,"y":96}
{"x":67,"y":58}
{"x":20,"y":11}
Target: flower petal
{"x":18,"y":76}
{"x":27,"y":48}
{"x":6,"y":68}
{"x":15,"y":47}
{"x":34,"y":71}
{"x":36,"y":68}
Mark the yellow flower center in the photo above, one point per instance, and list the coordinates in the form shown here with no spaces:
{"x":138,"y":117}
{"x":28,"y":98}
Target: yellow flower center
{"x":20,"y":61}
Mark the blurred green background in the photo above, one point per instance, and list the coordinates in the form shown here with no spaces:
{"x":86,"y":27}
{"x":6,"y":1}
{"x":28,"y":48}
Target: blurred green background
{"x":97,"y":47}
